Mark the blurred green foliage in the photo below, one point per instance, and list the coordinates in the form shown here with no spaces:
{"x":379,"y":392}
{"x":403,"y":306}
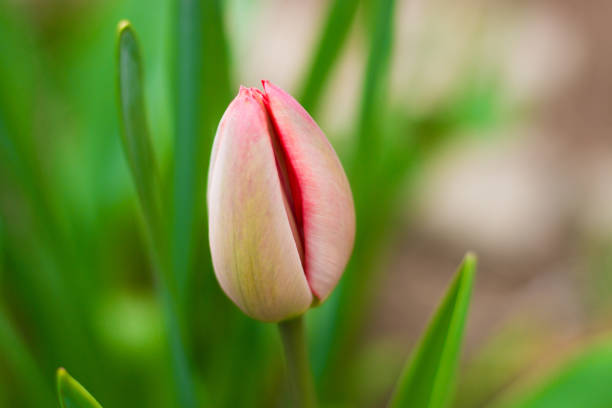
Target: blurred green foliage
{"x":104,"y":263}
{"x":582,"y":381}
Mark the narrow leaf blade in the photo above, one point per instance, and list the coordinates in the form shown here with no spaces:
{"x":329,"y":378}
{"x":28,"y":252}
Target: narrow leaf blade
{"x":374,"y":86}
{"x":333,"y":37}
{"x":342,"y":313}
{"x":139,"y":152}
{"x":202,"y":90}
{"x":134,"y":127}
{"x":428,"y":377}
{"x":72,"y":394}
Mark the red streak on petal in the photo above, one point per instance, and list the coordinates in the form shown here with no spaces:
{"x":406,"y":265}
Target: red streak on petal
{"x":293,"y":191}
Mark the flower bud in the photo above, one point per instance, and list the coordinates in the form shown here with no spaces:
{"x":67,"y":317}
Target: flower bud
{"x":280,"y":208}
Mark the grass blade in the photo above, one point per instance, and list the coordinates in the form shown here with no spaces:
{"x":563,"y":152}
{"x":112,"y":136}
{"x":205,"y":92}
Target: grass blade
{"x":582,"y":381}
{"x":72,"y":394}
{"x":333,"y":37}
{"x":187,"y":108}
{"x":373,"y":85}
{"x":135,"y":130}
{"x":139,"y":152}
{"x":202,"y":91}
{"x":428,"y":378}
{"x":343,"y":316}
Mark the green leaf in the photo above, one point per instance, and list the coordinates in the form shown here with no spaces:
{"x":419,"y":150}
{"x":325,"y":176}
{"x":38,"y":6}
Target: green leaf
{"x":333,"y":37}
{"x":135,"y":130}
{"x":341,"y":315}
{"x":139,"y":152}
{"x":428,"y":378}
{"x":582,"y":381}
{"x":72,"y":394}
{"x":201,"y":94}
{"x":372,"y":99}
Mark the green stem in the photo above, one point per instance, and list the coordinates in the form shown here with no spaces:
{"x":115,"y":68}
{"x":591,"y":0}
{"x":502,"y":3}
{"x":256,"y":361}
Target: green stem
{"x":299,"y":375}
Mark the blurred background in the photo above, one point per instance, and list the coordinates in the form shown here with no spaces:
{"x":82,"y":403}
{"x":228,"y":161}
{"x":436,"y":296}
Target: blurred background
{"x":475,"y":125}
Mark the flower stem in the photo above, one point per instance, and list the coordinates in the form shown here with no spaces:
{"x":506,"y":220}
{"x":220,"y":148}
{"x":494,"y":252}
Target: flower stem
{"x":301,"y":384}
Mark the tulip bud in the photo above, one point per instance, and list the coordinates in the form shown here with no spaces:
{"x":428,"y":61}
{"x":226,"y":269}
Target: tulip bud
{"x":280,"y":208}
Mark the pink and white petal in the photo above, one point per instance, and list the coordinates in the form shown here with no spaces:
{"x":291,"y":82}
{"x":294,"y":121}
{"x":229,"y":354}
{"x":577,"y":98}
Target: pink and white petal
{"x":254,"y":254}
{"x":328,"y":213}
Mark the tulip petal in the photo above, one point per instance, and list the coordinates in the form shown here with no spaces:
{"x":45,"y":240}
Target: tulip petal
{"x":255,"y":255}
{"x":327,"y":210}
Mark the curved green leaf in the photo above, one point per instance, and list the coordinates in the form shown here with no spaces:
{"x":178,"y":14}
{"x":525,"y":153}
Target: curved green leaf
{"x":341,"y":315}
{"x":333,"y":37}
{"x":72,"y":394}
{"x":428,"y":378}
{"x":582,"y":381}
{"x":140,"y":156}
{"x":202,"y":90}
{"x":134,"y":127}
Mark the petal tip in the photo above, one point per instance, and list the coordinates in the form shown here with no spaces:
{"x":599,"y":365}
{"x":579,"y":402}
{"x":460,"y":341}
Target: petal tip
{"x":270,"y":87}
{"x":247,"y":92}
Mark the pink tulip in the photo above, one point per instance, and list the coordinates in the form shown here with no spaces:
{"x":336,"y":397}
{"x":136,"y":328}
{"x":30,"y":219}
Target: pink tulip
{"x":280,"y":208}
